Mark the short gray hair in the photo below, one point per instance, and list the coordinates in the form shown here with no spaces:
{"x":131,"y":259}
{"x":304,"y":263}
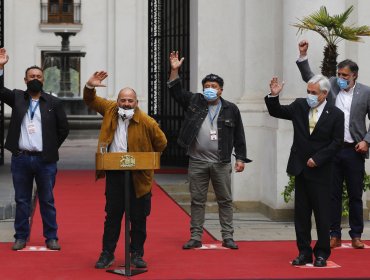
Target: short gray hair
{"x":322,"y":80}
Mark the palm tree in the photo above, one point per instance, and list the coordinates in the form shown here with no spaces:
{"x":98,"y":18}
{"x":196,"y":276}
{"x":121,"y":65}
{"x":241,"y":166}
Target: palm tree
{"x":333,"y":30}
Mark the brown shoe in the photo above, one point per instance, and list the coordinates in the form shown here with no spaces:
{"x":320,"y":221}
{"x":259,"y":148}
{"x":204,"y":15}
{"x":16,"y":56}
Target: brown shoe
{"x":357,"y":243}
{"x":335,"y":242}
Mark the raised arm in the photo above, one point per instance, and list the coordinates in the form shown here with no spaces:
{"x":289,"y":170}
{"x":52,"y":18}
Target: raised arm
{"x":175,"y":65}
{"x":93,"y":101}
{"x":4,"y":58}
{"x":302,"y":62}
{"x":272,"y":101}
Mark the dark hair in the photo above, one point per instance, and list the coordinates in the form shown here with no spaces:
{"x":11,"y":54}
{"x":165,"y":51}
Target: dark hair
{"x":213,"y":78}
{"x":33,"y":67}
{"x":350,"y":64}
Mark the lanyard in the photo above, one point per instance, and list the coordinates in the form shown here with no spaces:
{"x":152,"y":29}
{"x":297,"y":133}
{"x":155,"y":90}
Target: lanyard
{"x":211,"y":119}
{"x":33,"y":110}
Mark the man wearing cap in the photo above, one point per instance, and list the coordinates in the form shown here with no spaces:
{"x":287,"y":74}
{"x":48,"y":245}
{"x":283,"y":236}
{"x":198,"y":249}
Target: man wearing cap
{"x":212,"y":128}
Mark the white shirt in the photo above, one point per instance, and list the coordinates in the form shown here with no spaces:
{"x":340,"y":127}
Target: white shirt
{"x":119,"y":143}
{"x":344,"y":102}
{"x":30,"y":138}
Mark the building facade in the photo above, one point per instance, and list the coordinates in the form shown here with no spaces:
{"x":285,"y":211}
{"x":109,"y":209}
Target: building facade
{"x":244,"y":41}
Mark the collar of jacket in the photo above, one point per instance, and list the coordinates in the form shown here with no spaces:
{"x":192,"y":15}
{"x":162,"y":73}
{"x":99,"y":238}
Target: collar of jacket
{"x":42,"y":96}
{"x":224,"y":102}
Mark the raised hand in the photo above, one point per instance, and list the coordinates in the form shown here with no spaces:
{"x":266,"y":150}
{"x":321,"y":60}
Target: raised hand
{"x":3,"y":57}
{"x":96,"y":79}
{"x":275,"y":86}
{"x":174,"y":60}
{"x":303,"y":47}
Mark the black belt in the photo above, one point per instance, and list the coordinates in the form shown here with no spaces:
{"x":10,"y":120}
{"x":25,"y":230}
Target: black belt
{"x":349,"y":145}
{"x":28,"y":153}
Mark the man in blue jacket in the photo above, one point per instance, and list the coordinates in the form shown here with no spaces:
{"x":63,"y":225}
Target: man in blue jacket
{"x":211,"y":130}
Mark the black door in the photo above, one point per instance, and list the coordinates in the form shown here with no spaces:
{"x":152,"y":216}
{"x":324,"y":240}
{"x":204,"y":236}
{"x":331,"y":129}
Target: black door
{"x":168,"y":31}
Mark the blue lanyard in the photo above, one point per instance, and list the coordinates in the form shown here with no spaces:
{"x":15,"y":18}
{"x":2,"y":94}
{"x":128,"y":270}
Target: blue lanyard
{"x":33,"y":110}
{"x":211,"y":119}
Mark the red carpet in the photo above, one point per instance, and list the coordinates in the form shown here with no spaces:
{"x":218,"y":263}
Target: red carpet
{"x":80,"y":212}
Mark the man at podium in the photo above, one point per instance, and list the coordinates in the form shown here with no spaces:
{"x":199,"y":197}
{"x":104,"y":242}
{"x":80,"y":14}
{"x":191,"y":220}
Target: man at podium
{"x":124,"y":128}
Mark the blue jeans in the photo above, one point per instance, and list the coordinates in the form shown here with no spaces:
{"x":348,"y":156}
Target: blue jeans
{"x":25,"y":169}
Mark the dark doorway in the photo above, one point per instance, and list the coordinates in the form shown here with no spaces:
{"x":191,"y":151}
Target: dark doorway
{"x":2,"y":84}
{"x":168,"y":31}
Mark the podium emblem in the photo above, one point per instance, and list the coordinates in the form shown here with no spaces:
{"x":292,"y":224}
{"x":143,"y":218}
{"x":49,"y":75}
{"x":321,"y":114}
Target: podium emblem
{"x":127,"y":161}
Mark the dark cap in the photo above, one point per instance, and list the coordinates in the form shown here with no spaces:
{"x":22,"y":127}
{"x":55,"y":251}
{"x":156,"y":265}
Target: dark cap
{"x":213,"y":78}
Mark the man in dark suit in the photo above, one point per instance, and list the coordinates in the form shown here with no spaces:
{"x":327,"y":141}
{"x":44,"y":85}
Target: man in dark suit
{"x":318,"y":135}
{"x":38,"y":127}
{"x":353,"y":99}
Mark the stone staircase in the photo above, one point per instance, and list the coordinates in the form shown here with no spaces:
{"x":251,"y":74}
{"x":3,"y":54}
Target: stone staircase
{"x":180,"y":193}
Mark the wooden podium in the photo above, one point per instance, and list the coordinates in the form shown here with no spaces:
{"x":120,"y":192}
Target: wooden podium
{"x":127,"y":162}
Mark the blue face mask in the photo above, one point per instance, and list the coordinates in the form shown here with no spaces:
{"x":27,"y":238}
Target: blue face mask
{"x":342,"y":83}
{"x":210,"y":94}
{"x":312,"y":100}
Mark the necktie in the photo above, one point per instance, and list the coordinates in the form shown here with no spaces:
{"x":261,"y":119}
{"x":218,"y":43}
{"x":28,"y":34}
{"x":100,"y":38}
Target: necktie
{"x":312,"y":120}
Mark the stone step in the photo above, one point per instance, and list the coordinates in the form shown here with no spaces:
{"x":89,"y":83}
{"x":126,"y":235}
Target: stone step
{"x":185,"y":196}
{"x":211,"y":207}
{"x":180,"y":194}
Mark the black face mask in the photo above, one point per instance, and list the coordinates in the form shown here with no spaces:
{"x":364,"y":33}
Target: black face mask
{"x":34,"y":86}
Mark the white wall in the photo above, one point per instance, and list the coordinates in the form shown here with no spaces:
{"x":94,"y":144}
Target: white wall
{"x":244,"y":41}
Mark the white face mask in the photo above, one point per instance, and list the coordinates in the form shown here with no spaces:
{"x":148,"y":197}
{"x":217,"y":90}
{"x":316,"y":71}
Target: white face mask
{"x":126,"y":113}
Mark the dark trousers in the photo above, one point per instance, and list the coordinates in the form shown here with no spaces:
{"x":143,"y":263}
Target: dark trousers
{"x":115,"y":208}
{"x":349,"y":166}
{"x":25,"y":169}
{"x":312,"y":193}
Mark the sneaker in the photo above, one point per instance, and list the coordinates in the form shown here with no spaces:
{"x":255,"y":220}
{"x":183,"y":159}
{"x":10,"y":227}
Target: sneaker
{"x":137,"y":261}
{"x":105,"y":260}
{"x":52,"y":244}
{"x":19,"y":244}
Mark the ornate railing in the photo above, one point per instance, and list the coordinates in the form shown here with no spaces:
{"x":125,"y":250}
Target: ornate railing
{"x":168,"y":30}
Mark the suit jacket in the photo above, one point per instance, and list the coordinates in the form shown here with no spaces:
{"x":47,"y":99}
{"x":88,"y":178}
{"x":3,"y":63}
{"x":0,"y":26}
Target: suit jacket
{"x":54,"y":121}
{"x":360,"y":106}
{"x":324,"y":141}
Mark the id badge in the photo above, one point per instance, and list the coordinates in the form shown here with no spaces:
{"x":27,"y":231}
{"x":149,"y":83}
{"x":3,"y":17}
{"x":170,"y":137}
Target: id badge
{"x":213,"y":134}
{"x":31,"y":128}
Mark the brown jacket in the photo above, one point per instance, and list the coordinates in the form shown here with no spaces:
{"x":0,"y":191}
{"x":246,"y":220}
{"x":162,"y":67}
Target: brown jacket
{"x":144,"y":135}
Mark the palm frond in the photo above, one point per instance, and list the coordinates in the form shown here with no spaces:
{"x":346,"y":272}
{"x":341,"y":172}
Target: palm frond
{"x":342,"y":18}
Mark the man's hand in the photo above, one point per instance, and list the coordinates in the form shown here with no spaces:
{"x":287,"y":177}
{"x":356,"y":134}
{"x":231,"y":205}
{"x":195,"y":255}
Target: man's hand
{"x":174,"y":60}
{"x":96,"y":79}
{"x":362,"y":147}
{"x":275,"y":86}
{"x":303,"y":47}
{"x":311,"y":163}
{"x":3,"y":58}
{"x":239,"y":166}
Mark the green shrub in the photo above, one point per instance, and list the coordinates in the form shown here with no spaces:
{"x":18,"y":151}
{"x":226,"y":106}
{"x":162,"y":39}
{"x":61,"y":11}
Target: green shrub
{"x":289,"y":192}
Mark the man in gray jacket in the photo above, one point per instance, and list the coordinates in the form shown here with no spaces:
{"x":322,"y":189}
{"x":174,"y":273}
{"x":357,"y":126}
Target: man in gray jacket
{"x":353,"y":99}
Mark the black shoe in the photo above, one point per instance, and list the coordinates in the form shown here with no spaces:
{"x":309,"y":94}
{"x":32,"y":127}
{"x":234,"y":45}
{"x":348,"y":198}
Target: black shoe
{"x":137,"y":261}
{"x":229,"y":243}
{"x":19,"y":244}
{"x":192,"y":243}
{"x":105,"y":260}
{"x":319,"y":262}
{"x":52,"y":244}
{"x":302,"y":260}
